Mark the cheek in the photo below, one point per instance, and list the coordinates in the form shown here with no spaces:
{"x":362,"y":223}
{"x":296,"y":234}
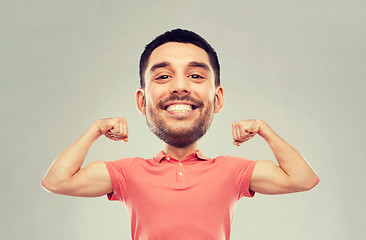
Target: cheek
{"x":206,"y":95}
{"x":153,"y":96}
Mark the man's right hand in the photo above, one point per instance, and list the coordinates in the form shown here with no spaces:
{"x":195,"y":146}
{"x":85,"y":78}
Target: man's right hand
{"x":113,"y":128}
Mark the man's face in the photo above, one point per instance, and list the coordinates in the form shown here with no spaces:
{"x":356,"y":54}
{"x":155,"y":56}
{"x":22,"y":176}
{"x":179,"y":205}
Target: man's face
{"x":180,"y":96}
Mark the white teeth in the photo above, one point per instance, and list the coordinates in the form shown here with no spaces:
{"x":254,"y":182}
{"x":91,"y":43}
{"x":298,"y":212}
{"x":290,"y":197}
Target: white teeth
{"x":179,"y":108}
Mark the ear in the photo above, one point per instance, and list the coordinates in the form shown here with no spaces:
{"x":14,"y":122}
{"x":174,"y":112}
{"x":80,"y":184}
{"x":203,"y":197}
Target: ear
{"x":219,"y":99}
{"x":140,"y":101}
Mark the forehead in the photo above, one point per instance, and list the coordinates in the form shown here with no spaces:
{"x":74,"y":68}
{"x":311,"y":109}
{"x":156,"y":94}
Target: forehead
{"x":178,"y":53}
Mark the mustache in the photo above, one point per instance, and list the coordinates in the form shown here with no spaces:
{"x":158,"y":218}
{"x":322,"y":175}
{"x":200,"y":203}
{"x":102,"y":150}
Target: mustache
{"x":178,"y":97}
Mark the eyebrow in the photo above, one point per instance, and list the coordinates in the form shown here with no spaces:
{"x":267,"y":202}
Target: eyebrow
{"x":191,"y":64}
{"x":159,"y":65}
{"x":200,"y":65}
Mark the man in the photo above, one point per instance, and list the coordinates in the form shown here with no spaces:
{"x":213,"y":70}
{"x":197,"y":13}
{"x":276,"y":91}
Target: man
{"x":180,"y":193}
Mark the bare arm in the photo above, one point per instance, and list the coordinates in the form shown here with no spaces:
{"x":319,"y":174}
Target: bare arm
{"x":66,"y":176}
{"x":293,"y":173}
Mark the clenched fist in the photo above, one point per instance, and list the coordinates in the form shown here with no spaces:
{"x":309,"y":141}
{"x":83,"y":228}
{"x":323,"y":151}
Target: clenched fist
{"x":113,"y":128}
{"x":245,"y":130}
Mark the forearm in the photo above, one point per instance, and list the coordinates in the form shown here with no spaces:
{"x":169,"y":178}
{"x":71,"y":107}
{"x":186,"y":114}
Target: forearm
{"x":289,"y":159}
{"x":70,"y":160}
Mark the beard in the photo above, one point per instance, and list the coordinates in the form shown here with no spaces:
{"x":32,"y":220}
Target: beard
{"x":183,"y":136}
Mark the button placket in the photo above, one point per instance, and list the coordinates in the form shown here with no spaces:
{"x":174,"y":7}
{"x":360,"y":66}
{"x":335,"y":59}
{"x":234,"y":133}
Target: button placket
{"x":180,"y":175}
{"x":180,"y":170}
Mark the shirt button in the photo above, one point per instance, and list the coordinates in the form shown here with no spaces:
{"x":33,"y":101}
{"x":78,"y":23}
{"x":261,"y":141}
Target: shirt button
{"x":168,"y":158}
{"x":180,"y":164}
{"x":180,"y":173}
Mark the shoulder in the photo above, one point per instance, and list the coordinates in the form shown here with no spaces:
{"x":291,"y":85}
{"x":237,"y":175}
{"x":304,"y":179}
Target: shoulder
{"x":235,"y":162}
{"x":232,"y":160}
{"x":125,"y":162}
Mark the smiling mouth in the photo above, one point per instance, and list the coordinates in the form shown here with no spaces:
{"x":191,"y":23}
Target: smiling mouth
{"x":180,"y":108}
{"x":180,"y":104}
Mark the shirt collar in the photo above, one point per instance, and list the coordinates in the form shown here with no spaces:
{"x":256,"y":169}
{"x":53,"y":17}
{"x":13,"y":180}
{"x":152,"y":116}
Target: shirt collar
{"x":197,"y":154}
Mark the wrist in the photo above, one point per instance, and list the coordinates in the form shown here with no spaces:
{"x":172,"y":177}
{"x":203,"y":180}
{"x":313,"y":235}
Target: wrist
{"x":94,"y":130}
{"x":265,"y":131}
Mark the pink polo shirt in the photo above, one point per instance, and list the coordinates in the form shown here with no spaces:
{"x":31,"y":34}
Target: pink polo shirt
{"x":191,"y":199}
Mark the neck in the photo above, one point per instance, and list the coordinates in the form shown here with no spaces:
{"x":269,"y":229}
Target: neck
{"x":180,"y":153}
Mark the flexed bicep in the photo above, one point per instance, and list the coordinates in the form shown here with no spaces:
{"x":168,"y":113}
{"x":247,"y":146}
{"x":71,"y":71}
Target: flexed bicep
{"x":268,"y":178}
{"x":91,"y":181}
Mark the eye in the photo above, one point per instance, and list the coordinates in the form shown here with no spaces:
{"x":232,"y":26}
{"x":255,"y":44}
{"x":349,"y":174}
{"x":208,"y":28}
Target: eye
{"x":195,"y":76}
{"x":163,"y":77}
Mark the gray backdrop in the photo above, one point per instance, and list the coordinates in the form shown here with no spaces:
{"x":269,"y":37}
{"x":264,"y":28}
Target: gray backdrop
{"x":299,"y":65}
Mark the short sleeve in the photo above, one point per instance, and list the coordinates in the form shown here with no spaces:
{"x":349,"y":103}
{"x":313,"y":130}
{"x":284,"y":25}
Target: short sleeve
{"x":246,"y":176}
{"x":243,"y":175}
{"x":117,"y":173}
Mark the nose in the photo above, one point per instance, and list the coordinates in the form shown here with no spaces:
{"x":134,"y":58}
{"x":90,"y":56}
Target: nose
{"x":180,"y":85}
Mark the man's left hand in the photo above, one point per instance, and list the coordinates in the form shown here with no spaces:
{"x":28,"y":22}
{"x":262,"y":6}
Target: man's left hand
{"x":245,"y":130}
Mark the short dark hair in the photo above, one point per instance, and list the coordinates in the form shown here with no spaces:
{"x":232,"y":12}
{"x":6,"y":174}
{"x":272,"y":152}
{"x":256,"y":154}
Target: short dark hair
{"x":181,"y":36}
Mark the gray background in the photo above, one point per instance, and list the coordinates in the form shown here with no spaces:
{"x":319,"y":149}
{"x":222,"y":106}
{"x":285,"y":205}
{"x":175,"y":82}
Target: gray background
{"x":299,"y":65}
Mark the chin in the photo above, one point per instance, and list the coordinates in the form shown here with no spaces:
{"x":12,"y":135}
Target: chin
{"x":176,"y":132}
